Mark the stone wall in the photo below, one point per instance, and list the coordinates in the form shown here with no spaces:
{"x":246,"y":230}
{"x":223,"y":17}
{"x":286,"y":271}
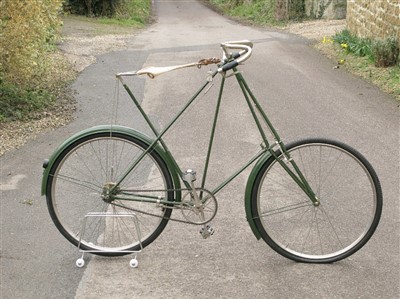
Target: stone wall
{"x":326,"y":9}
{"x":375,"y":19}
{"x":314,"y":9}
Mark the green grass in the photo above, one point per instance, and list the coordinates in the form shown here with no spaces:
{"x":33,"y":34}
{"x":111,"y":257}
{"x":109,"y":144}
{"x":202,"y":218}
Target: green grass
{"x":260,"y":12}
{"x":352,"y":44}
{"x":135,"y":13}
{"x":382,"y":53}
{"x":119,"y":22}
{"x":21,"y":104}
{"x":393,"y":81}
{"x":365,"y":58}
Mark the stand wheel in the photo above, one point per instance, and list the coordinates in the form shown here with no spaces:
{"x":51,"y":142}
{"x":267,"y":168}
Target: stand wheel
{"x":80,"y":262}
{"x":134,"y":263}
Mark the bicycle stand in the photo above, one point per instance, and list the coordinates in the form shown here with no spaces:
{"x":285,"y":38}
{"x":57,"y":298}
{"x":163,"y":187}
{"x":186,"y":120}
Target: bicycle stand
{"x":80,"y":262}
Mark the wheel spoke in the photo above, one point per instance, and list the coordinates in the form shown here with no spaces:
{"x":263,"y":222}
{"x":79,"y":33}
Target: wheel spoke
{"x":349,"y":210}
{"x":286,"y":209}
{"x":80,"y":176}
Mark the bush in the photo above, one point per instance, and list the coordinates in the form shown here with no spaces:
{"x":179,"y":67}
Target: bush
{"x":386,"y":52}
{"x":18,"y":103}
{"x":383,"y":53}
{"x":123,"y":9}
{"x":29,"y":30}
{"x":258,"y":11}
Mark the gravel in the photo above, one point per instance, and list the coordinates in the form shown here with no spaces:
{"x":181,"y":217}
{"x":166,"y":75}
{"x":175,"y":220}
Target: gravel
{"x":317,"y":29}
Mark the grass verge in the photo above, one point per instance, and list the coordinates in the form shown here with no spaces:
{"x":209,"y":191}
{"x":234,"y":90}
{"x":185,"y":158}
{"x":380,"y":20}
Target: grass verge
{"x":136,"y":13}
{"x":259,"y":12}
{"x":361,"y":56}
{"x":30,"y":101}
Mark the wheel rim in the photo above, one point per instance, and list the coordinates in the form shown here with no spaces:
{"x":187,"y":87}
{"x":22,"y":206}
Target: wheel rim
{"x":294,"y":226}
{"x":77,"y":189}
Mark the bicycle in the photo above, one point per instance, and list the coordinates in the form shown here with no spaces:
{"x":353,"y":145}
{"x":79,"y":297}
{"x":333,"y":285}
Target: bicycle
{"x":315,"y":200}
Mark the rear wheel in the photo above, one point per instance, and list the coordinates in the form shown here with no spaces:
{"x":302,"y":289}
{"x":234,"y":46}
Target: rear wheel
{"x":350,"y":202}
{"x":77,"y":201}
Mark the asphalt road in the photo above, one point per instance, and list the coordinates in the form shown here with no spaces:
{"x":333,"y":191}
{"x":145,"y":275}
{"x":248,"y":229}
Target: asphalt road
{"x":304,"y":96}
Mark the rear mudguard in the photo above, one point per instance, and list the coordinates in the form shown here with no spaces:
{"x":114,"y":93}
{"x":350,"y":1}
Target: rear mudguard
{"x":249,"y":190}
{"x":48,"y":164}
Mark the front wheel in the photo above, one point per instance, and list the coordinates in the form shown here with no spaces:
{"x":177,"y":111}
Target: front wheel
{"x":78,"y":204}
{"x":350,"y":202}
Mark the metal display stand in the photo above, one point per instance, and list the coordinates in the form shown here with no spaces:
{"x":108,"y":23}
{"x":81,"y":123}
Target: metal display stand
{"x":80,"y":262}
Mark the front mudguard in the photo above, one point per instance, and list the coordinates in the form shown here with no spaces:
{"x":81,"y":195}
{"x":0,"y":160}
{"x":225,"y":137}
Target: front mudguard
{"x":48,"y":164}
{"x":249,"y":190}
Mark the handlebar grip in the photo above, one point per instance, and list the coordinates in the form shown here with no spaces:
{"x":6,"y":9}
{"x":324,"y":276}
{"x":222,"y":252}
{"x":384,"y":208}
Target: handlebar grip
{"x":236,"y":55}
{"x":228,"y":66}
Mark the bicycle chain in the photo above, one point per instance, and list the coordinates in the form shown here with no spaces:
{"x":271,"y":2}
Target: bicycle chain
{"x":158,"y":216}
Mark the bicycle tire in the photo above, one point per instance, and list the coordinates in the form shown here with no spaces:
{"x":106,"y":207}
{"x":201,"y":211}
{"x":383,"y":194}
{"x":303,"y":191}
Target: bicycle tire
{"x":350,"y":202}
{"x":75,"y":186}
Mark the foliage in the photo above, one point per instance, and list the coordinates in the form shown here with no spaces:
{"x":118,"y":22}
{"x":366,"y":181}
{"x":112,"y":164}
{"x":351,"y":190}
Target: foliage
{"x":258,"y":11}
{"x":264,"y":12}
{"x":32,"y":73}
{"x":18,"y":103}
{"x":29,"y":30}
{"x":361,"y":59}
{"x":91,"y":8}
{"x":386,"y":52}
{"x":352,"y":44}
{"x":297,"y":9}
{"x":382,"y":52}
{"x":131,"y":12}
{"x":135,"y":10}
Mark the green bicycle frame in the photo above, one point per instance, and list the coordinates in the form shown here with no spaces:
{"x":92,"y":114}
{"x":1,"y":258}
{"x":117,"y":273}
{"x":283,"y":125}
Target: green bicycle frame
{"x":266,"y":147}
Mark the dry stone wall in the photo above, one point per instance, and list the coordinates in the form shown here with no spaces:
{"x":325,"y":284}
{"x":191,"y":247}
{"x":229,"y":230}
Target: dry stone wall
{"x":375,"y":19}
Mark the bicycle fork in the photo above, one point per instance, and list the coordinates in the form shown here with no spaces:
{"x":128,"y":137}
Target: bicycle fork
{"x":296,"y":175}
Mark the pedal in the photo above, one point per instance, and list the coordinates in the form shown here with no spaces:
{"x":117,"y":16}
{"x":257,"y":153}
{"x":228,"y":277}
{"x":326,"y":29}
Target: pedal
{"x":206,"y":231}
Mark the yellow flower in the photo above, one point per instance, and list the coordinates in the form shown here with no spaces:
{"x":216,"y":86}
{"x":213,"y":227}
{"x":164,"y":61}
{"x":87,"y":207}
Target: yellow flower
{"x":344,"y":46}
{"x":326,"y":40}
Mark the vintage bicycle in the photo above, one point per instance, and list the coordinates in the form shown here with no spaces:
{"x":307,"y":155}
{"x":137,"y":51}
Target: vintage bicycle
{"x":315,"y":200}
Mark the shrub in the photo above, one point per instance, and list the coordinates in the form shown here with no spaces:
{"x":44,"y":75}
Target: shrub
{"x":386,"y":52}
{"x":28,"y":33}
{"x":383,"y":53}
{"x":124,"y":9}
{"x":358,"y":46}
{"x":258,"y":11}
{"x":29,"y":28}
{"x":18,"y":103}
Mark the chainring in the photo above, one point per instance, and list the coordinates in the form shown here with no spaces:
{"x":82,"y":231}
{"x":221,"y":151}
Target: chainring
{"x":200,"y":214}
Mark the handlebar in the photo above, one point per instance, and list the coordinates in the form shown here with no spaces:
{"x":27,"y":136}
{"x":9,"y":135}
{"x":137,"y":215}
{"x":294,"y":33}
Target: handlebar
{"x":239,"y":57}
